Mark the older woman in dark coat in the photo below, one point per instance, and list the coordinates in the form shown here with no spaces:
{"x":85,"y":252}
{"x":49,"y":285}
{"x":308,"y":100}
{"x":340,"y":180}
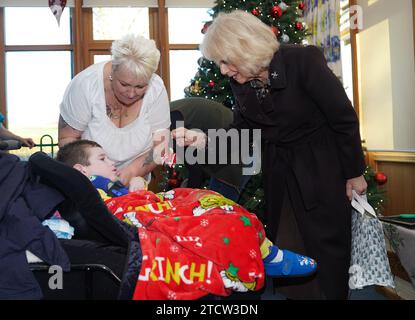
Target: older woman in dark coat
{"x":312,"y":157}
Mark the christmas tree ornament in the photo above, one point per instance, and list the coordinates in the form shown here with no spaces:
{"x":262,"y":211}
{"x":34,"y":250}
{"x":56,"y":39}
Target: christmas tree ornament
{"x":174,"y":183}
{"x":299,"y":25}
{"x":275,"y":30}
{"x":57,"y":6}
{"x":301,"y":6}
{"x":380,"y":178}
{"x":276,"y":11}
{"x":255,"y":12}
{"x":285,"y":38}
{"x":283,"y":6}
{"x":211,"y":84}
{"x":169,"y":159}
{"x":195,"y":88}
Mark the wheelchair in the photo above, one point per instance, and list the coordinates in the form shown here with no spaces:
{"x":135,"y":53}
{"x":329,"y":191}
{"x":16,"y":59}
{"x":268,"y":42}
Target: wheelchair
{"x":105,"y":253}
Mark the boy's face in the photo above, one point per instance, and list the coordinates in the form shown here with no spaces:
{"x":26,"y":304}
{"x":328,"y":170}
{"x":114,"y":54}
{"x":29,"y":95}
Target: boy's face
{"x":100,"y":165}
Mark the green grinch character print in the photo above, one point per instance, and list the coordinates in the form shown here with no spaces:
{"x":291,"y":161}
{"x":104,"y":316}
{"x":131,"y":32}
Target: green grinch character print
{"x":210,"y":201}
{"x":231,"y":280}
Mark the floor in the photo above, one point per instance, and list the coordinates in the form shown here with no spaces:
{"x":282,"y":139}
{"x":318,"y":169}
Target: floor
{"x":368,"y":293}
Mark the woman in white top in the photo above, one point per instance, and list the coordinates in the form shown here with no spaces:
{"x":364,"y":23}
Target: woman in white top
{"x":120,"y":104}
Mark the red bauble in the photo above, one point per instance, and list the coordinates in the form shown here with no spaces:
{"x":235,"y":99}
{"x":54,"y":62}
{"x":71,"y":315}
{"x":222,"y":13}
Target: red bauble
{"x":301,"y":6}
{"x":174,"y":183}
{"x":380,"y":178}
{"x":174,"y":174}
{"x":298,"y":25}
{"x":211,"y":84}
{"x":255,"y":12}
{"x":275,"y":30}
{"x":276,"y":11}
{"x":205,"y":27}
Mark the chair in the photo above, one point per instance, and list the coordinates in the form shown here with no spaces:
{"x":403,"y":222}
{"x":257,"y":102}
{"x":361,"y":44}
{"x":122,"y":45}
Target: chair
{"x":205,"y":114}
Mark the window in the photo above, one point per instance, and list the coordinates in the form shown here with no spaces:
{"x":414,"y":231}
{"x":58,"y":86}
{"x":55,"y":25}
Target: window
{"x":33,"y":97}
{"x":38,"y":67}
{"x":36,"y":26}
{"x":183,"y":67}
{"x":101,"y":57}
{"x":113,"y":23}
{"x":185,"y":25}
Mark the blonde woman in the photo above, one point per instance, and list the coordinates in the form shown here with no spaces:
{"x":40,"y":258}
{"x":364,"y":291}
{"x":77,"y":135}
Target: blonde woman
{"x":312,"y":157}
{"x":121,"y":104}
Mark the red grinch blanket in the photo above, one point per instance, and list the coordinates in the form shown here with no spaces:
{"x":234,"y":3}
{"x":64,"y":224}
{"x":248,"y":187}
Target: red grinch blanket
{"x":194,"y":242}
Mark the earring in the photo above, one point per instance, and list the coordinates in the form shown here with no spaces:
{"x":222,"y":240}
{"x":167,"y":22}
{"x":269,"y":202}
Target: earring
{"x":110,"y":77}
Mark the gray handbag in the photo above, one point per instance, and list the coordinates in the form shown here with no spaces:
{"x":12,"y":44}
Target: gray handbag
{"x":369,"y":263}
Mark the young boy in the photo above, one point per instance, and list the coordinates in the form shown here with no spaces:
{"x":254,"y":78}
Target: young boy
{"x":208,"y":221}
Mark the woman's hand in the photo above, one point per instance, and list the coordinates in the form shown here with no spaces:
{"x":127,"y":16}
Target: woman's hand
{"x":185,"y":137}
{"x":357,"y":184}
{"x":125,"y":175}
{"x":137,"y":183}
{"x":27,"y":142}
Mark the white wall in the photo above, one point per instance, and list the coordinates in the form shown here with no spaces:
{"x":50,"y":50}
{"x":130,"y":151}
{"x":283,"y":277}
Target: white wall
{"x":387,"y":75}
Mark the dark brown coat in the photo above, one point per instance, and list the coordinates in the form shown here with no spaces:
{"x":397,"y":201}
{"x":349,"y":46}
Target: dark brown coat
{"x":312,"y":145}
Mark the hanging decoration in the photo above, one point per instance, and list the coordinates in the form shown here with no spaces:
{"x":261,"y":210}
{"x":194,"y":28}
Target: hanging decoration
{"x":57,"y":7}
{"x":323,"y":17}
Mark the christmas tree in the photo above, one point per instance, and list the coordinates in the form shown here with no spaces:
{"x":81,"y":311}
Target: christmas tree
{"x":375,"y":189}
{"x":284,"y":17}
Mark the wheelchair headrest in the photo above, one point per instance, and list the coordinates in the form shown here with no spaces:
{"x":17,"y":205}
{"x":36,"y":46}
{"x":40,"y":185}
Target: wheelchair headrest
{"x":83,"y":209}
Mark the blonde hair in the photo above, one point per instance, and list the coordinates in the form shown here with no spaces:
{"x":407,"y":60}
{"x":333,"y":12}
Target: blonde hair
{"x":241,"y":39}
{"x":136,"y":54}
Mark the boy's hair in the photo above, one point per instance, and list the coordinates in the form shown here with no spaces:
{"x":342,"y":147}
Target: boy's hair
{"x":76,"y":152}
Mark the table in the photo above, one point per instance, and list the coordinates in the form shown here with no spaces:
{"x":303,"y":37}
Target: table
{"x":402,"y":241}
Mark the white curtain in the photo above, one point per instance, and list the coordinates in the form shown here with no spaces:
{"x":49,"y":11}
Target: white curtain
{"x":30,"y":3}
{"x":190,"y":3}
{"x":119,"y":3}
{"x":323,"y":20}
{"x":149,"y":3}
{"x":114,"y":3}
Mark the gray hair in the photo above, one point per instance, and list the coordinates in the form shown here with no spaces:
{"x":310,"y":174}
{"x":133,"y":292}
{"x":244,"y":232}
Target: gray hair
{"x":241,"y":39}
{"x":135,"y":54}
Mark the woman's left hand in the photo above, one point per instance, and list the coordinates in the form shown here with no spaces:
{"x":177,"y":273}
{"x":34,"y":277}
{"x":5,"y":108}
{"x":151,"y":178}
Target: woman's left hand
{"x":27,"y":142}
{"x":185,"y":137}
{"x":125,"y":175}
{"x":357,"y":184}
